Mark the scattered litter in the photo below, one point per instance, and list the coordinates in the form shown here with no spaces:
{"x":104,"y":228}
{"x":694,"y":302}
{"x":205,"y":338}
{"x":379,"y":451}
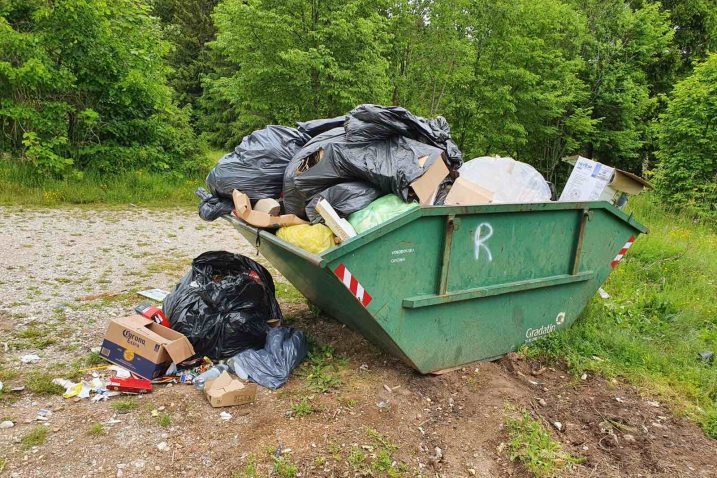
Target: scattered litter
{"x":379,"y":211}
{"x":383,"y":404}
{"x":130,"y":385}
{"x":30,"y":358}
{"x":6,"y":424}
{"x":707,"y":356}
{"x":225,"y":416}
{"x":1,"y":386}
{"x":558,"y":426}
{"x":339,"y":226}
{"x":153,"y":313}
{"x":387,"y":388}
{"x":542,"y":402}
{"x":619,"y":400}
{"x":162,"y":446}
{"x":227,"y":310}
{"x":143,"y":346}
{"x":584,"y":376}
{"x":43,"y":415}
{"x":214,"y":372}
{"x":603,"y":293}
{"x":157,"y":295}
{"x":18,"y":388}
{"x":120,"y":372}
{"x":226,"y":391}
{"x":653,"y":403}
{"x":155,"y":413}
{"x":271,"y":366}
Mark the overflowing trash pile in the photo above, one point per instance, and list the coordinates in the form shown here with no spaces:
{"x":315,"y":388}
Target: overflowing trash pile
{"x":315,"y":185}
{"x":328,"y":180}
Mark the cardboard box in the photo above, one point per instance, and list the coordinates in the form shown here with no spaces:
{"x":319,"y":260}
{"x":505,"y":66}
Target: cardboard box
{"x":227,"y":391}
{"x":261,"y":218}
{"x":426,"y":187}
{"x":465,"y":193}
{"x":143,"y":346}
{"x":594,"y":181}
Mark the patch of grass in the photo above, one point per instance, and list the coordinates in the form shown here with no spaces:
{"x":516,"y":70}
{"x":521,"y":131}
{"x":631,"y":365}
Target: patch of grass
{"x":287,"y":293}
{"x":18,"y":186}
{"x":302,"y":408}
{"x":96,"y":430}
{"x":384,"y":463}
{"x":164,"y":420}
{"x":3,"y":464}
{"x":35,"y":437}
{"x":322,"y":367}
{"x":249,"y":470}
{"x":532,"y":445}
{"x":168,"y":265}
{"x":124,"y":405}
{"x":93,"y":359}
{"x":357,"y":459}
{"x":41,"y":383}
{"x":35,"y":338}
{"x":283,"y":468}
{"x":661,"y":313}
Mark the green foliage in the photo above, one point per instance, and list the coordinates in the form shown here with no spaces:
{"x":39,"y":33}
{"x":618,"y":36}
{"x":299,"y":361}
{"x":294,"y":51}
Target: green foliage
{"x":320,"y":371}
{"x":687,"y":137}
{"x":298,"y":59}
{"x":283,"y":468}
{"x":35,"y":437}
{"x":96,"y":429}
{"x":124,"y":405}
{"x":83,"y":86}
{"x":249,"y":470}
{"x":660,"y":315}
{"x":302,"y":408}
{"x":41,"y":383}
{"x":532,"y":445}
{"x":164,"y":420}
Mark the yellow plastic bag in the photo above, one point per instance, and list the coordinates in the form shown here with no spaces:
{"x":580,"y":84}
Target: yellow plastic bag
{"x":314,"y":238}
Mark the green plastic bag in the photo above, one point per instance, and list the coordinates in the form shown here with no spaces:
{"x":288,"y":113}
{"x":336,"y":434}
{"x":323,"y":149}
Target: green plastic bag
{"x":314,"y":238}
{"x":379,"y":211}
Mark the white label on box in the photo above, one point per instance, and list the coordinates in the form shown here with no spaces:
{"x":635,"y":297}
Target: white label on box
{"x":587,"y":181}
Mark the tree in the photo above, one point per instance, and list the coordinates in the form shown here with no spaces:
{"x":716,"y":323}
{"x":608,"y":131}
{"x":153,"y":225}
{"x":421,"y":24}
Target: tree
{"x":83,"y":85}
{"x":623,"y":45}
{"x":298,"y":59}
{"x":687,"y":138}
{"x":188,"y":27}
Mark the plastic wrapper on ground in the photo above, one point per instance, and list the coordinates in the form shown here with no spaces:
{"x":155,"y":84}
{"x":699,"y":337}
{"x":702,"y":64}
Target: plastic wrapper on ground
{"x":271,"y":366}
{"x":378,"y":212}
{"x":223,"y":304}
{"x":256,"y":167}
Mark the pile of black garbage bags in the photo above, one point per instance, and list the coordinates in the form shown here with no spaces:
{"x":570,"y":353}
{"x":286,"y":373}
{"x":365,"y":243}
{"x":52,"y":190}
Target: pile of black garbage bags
{"x":349,"y":160}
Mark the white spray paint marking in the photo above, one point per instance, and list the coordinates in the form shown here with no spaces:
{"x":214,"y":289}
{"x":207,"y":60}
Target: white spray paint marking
{"x":483,"y":232}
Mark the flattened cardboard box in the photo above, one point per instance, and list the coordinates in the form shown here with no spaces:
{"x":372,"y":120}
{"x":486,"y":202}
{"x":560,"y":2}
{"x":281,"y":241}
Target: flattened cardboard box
{"x":143,"y":346}
{"x":227,"y":391}
{"x":426,"y":187}
{"x":261,"y":218}
{"x":466,"y":193}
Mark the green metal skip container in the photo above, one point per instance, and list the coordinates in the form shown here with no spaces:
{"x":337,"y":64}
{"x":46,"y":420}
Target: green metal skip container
{"x":443,"y":286}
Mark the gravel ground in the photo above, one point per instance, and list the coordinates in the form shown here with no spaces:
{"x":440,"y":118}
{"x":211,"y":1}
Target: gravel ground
{"x":67,"y":271}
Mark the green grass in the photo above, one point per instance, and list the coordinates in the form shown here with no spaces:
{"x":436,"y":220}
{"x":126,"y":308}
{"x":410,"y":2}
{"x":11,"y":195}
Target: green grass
{"x":321,"y":369}
{"x":18,"y":186}
{"x":41,"y":384}
{"x":302,"y":408}
{"x":164,"y":420}
{"x":283,"y":468}
{"x":124,"y":405}
{"x":35,"y":437}
{"x":662,"y":312}
{"x":249,"y":470}
{"x":96,"y":430}
{"x":93,"y":359}
{"x":532,"y":445}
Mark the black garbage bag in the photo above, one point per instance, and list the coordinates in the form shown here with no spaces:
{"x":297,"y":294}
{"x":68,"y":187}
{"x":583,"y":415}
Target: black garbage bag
{"x":345,"y":198}
{"x":390,"y":165}
{"x":212,"y":207}
{"x":223,"y":304}
{"x":318,"y":126}
{"x":271,"y":366}
{"x":256,"y":167}
{"x":294,"y":198}
{"x":371,"y":122}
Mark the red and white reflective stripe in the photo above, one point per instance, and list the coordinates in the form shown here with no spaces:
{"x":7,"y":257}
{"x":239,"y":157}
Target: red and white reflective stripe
{"x":353,"y":285}
{"x":622,"y":252}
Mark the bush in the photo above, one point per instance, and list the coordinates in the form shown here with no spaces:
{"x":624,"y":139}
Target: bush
{"x":687,"y":139}
{"x":83,"y":87}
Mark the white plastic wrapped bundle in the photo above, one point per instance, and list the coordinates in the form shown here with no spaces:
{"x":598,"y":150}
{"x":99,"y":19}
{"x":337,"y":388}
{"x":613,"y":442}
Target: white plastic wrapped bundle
{"x":510,"y":181}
